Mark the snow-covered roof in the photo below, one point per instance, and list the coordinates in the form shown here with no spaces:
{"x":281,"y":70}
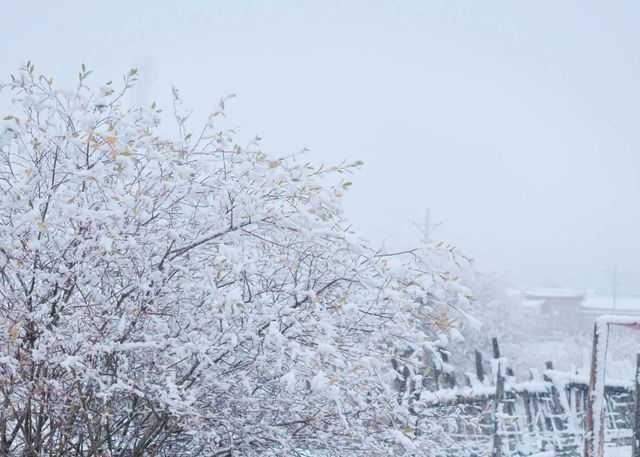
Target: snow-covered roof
{"x":532,"y":303}
{"x":552,"y":293}
{"x":624,"y":303}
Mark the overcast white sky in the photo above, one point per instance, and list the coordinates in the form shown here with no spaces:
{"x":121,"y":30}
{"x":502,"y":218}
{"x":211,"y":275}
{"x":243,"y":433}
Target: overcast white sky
{"x":516,"y":122}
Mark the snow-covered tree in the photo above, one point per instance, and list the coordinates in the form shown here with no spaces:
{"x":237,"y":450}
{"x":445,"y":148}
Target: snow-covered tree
{"x":193,"y":296}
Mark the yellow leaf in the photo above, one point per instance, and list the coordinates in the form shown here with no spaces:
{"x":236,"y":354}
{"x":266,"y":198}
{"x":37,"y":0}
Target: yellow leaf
{"x":114,"y":154}
{"x":218,"y":275}
{"x":42,"y":224}
{"x":110,"y":139}
{"x":115,"y":198}
{"x":273,"y":165}
{"x":28,"y":171}
{"x":334,"y":381}
{"x":71,"y":200}
{"x":19,"y":263}
{"x":439,"y":244}
{"x":13,"y":332}
{"x":408,"y":429}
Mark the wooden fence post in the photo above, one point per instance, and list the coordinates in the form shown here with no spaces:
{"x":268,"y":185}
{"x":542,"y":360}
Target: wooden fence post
{"x":635,"y":445}
{"x":588,"y":418}
{"x":496,"y":348}
{"x":594,"y":445}
{"x":449,"y":376}
{"x":497,"y":439}
{"x":479,"y":368}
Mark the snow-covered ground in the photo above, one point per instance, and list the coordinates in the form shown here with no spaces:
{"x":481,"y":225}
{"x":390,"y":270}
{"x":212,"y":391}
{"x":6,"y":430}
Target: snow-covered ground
{"x":621,"y":451}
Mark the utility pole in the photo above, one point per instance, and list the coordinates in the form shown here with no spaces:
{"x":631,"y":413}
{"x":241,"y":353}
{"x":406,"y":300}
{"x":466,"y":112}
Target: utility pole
{"x":146,"y":79}
{"x":426,"y":227}
{"x":614,"y":285}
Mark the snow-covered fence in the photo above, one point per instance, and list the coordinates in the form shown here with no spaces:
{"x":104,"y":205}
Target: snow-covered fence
{"x":495,"y":413}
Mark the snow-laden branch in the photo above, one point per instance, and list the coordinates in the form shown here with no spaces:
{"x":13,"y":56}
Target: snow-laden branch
{"x":159,"y":298}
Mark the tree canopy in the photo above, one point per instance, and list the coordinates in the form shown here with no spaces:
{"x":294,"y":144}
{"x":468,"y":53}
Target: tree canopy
{"x":194,"y":296}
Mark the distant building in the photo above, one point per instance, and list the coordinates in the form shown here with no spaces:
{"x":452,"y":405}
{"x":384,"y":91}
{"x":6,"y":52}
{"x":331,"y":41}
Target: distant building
{"x":555,"y":299}
{"x":560,"y":309}
{"x":595,"y":305}
{"x":568,"y":311}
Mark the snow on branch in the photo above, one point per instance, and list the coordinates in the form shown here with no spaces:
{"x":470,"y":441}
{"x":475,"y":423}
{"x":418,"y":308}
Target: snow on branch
{"x":195,"y":296}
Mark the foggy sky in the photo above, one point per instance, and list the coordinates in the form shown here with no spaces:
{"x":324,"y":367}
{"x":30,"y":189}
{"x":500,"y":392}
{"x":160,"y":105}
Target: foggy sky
{"x":515,"y":122}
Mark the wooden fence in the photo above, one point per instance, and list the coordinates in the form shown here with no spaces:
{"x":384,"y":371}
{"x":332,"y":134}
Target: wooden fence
{"x":493,"y":413}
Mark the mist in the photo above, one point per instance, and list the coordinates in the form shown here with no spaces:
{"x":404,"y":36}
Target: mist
{"x":516,"y":124}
